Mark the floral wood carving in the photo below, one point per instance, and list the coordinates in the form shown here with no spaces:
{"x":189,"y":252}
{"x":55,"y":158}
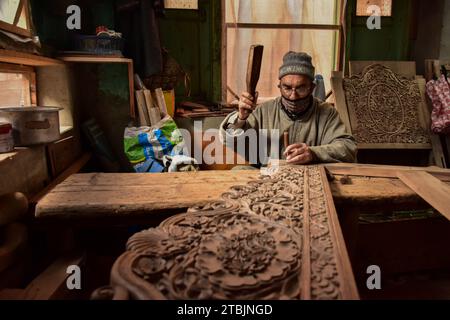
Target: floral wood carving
{"x":384,"y":108}
{"x":271,"y":239}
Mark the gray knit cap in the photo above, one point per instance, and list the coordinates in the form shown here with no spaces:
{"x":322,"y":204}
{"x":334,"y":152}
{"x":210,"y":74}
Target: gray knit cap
{"x":297,"y":63}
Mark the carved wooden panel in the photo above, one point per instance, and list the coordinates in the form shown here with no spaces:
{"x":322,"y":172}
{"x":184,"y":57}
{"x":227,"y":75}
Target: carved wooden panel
{"x":275,"y":238}
{"x":384,"y":108}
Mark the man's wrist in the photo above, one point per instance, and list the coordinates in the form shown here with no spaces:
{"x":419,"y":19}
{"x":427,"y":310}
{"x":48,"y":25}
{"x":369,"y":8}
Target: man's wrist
{"x":240,"y":121}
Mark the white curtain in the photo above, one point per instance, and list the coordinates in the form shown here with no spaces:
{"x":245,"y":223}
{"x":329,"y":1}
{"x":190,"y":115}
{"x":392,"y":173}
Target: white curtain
{"x":320,"y":44}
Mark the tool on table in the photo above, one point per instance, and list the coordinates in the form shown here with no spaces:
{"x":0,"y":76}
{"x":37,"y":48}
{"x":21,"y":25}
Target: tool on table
{"x":254,"y":68}
{"x":286,"y":139}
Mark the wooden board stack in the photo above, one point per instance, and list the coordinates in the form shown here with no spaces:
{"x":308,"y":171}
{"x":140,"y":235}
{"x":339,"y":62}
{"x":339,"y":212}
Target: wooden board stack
{"x":150,"y":104}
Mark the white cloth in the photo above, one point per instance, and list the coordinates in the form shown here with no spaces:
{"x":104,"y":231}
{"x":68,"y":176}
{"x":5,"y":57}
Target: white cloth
{"x":180,"y":163}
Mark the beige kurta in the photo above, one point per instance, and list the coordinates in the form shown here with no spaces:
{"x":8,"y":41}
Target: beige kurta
{"x":320,"y":128}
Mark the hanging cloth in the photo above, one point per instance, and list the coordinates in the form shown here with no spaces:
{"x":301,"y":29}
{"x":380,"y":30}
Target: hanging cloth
{"x":439,"y":93}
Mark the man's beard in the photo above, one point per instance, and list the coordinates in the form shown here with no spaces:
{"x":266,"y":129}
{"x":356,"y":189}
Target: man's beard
{"x":297,"y":106}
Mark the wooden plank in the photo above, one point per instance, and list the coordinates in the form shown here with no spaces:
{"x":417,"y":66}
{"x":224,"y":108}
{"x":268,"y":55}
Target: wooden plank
{"x":33,"y":89}
{"x":51,"y":284}
{"x":431,"y":189}
{"x":158,"y":97}
{"x":27,"y":15}
{"x":76,"y":198}
{"x":283,"y":26}
{"x":343,"y":263}
{"x":223,"y":51}
{"x":438,"y":151}
{"x":424,"y":108}
{"x":12,"y":294}
{"x":8,"y":67}
{"x":62,"y":154}
{"x":375,"y":194}
{"x":28,"y":59}
{"x":95,"y":59}
{"x":403,"y":68}
{"x":367,"y":170}
{"x":19,"y":12}
{"x":153,"y":111}
{"x":144,"y":120}
{"x":15,"y":29}
{"x":130,"y":69}
{"x":103,"y":195}
{"x":340,"y":104}
{"x":407,"y":146}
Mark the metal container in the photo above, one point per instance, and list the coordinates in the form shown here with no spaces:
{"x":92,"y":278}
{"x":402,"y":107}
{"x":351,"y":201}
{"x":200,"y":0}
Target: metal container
{"x":6,"y":139}
{"x":32,"y":125}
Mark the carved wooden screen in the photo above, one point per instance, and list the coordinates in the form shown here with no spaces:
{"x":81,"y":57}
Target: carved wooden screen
{"x":275,"y":238}
{"x":385,"y":110}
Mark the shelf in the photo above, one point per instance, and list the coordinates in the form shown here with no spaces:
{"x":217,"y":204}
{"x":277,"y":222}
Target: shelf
{"x":108,"y":59}
{"x":21,"y":58}
{"x":27,"y":59}
{"x":95,"y":59}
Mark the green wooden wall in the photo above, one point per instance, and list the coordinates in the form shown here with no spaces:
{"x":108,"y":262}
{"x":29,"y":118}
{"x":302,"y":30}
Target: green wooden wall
{"x":193,"y":38}
{"x":391,"y":42}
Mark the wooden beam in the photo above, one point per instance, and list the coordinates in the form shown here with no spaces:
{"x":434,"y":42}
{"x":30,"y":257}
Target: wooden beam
{"x":343,"y":263}
{"x":19,"y":13}
{"x":95,"y":59}
{"x":283,"y":26}
{"x":396,"y":146}
{"x":15,"y":29}
{"x":52,"y":282}
{"x":367,"y":170}
{"x":340,"y":103}
{"x":429,"y":188}
{"x":14,"y":68}
{"x":27,"y":59}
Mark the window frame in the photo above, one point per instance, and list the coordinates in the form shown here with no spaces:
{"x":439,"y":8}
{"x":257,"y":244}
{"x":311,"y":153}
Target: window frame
{"x":365,"y":16}
{"x":336,"y":27}
{"x":30,"y":73}
{"x":13,"y":28}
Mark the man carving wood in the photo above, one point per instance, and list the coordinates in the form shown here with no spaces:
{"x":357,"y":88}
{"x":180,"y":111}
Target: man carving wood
{"x":316,"y":133}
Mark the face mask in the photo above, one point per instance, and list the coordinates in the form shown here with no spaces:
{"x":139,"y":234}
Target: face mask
{"x":298,"y":105}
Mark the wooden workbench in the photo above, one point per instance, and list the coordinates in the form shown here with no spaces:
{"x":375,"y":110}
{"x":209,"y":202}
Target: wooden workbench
{"x":100,"y":200}
{"x":103,"y":195}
